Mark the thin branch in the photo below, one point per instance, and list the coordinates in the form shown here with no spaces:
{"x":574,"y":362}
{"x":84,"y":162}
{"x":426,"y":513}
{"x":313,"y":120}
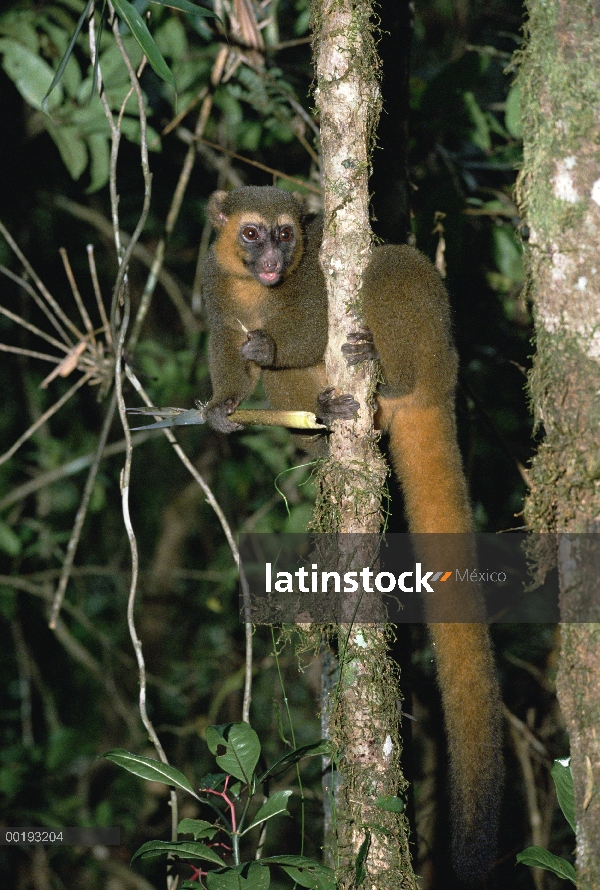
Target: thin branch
{"x":69,"y":469}
{"x":135,"y":86}
{"x":174,"y":209}
{"x":77,"y":296}
{"x":30,"y":353}
{"x":120,"y":333}
{"x":18,"y":279}
{"x":77,"y":651}
{"x":228,"y":535}
{"x":98,"y":295}
{"x":24,"y":672}
{"x":44,"y":417}
{"x":81,"y":514}
{"x":187,"y":136}
{"x":34,"y":330}
{"x":141,"y":253}
{"x":40,"y":284}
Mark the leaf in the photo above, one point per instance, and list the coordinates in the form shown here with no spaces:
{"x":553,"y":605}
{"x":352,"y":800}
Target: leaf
{"x":185,"y":6}
{"x":390,"y":803}
{"x":257,"y":878}
{"x":236,"y":748}
{"x":276,"y":803}
{"x":512,"y":112}
{"x":305,"y":871}
{"x":139,"y":29}
{"x":185,"y":849}
{"x":563,"y":782}
{"x":313,"y":750}
{"x":199,"y":828}
{"x":480,"y":135}
{"x":153,"y":770}
{"x":30,"y":74}
{"x":68,"y":52}
{"x":10,"y":542}
{"x":99,"y":161}
{"x":536,"y":856}
{"x":72,"y":149}
{"x":359,"y":863}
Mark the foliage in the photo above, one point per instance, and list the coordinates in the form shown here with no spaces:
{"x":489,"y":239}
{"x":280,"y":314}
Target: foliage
{"x":68,"y":696}
{"x":537,"y":856}
{"x":237,"y":750}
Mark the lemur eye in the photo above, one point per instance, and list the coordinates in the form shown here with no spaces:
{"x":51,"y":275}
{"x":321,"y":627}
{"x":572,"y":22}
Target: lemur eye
{"x":250,"y":233}
{"x":286,"y":233}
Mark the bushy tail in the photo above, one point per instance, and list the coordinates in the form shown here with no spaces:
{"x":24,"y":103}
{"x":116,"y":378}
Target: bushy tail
{"x":428,"y":463}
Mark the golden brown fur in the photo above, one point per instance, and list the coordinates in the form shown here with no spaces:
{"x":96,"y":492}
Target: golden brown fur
{"x":405,"y":306}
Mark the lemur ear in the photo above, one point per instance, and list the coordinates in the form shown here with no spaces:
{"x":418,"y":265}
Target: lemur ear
{"x":214,"y":209}
{"x":300,"y":201}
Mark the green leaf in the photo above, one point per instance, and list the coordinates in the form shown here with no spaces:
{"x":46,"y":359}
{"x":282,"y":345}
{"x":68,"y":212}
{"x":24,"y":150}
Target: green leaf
{"x":68,"y":52}
{"x":236,"y":748}
{"x":313,"y":750}
{"x":199,"y":828}
{"x":20,"y":24}
{"x":31,"y":75}
{"x":277,"y":803}
{"x":390,"y":803}
{"x":512,"y":112}
{"x":99,"y":150}
{"x":361,"y":857}
{"x":185,"y":6}
{"x":153,"y":770}
{"x":256,"y":877}
{"x":563,"y":782}
{"x":138,"y":28}
{"x":305,"y":871}
{"x":10,"y":542}
{"x":72,"y":148}
{"x":185,"y":849}
{"x":480,"y":135}
{"x":536,"y":856}
{"x":508,"y":254}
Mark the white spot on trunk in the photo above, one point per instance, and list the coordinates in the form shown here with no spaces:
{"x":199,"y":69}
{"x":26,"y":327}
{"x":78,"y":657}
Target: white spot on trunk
{"x":581,"y":282}
{"x":564,"y":188}
{"x":595,"y":194}
{"x":560,"y":264}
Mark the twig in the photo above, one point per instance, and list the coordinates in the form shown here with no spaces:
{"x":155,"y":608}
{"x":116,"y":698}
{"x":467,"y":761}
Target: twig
{"x":45,"y":416}
{"x":34,"y":330}
{"x":81,"y":514}
{"x":78,"y":652}
{"x":77,"y":296}
{"x":228,"y":534}
{"x":18,"y":279}
{"x":30,"y":353}
{"x":69,"y":469}
{"x":98,"y":295}
{"x":186,"y":136}
{"x":174,"y":209}
{"x":141,"y":253}
{"x":40,"y":284}
{"x":119,"y":334}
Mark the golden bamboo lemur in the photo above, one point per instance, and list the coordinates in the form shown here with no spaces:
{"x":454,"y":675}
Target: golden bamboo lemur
{"x":266,"y":309}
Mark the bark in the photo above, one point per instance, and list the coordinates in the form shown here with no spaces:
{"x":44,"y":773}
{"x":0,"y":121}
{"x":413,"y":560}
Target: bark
{"x":559,"y":191}
{"x":362,"y":714}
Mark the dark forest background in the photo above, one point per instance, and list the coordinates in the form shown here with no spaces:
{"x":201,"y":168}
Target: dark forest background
{"x":67,"y":698}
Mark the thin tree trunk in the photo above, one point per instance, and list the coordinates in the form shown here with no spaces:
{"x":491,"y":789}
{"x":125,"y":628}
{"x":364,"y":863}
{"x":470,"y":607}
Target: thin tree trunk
{"x":560,"y":195}
{"x":362,"y":713}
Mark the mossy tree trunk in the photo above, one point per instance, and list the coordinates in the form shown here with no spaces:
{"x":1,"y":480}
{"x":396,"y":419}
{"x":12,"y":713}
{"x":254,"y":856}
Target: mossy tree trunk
{"x":372,"y":843}
{"x":559,"y":191}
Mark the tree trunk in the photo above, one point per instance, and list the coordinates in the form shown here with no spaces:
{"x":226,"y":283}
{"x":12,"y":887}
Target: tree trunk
{"x":559,"y":192}
{"x":362,"y":713}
